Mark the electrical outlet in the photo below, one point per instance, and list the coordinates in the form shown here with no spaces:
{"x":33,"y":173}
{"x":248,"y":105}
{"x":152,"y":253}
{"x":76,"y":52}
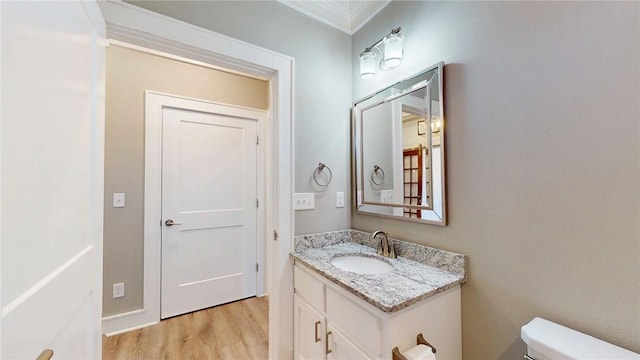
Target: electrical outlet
{"x":118,"y":200}
{"x":340,"y":199}
{"x":118,"y":290}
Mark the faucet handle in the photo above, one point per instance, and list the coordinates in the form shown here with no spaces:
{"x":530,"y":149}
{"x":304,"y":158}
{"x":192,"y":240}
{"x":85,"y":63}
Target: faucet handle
{"x":392,"y":250}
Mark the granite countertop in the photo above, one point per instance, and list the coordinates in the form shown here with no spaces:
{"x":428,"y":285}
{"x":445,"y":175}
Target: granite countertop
{"x":409,"y":282}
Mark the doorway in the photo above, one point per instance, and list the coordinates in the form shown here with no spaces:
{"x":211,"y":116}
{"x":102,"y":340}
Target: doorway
{"x":130,"y":24}
{"x":413,"y":178}
{"x":202,"y":182}
{"x":135,"y":142}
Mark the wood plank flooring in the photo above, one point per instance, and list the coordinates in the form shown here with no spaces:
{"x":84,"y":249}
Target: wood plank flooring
{"x":238,"y":330}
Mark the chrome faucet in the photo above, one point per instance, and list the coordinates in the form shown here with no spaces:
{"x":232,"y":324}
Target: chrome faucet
{"x":385,"y":246}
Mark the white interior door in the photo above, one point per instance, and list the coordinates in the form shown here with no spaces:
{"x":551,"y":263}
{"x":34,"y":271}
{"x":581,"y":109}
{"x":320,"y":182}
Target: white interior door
{"x":209,"y":192}
{"x":52,"y":126}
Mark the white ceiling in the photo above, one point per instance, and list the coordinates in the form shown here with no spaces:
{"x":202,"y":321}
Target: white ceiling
{"x":344,"y":15}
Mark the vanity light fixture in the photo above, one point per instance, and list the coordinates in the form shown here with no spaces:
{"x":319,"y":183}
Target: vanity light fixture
{"x":391,"y":54}
{"x":368,"y":65}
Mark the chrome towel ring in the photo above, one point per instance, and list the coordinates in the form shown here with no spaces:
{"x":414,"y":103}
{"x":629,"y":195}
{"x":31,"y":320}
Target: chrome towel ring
{"x":378,"y":174}
{"x":319,"y":170}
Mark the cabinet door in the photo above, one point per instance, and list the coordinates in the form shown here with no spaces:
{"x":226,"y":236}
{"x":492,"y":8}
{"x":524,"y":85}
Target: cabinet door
{"x":340,"y":348}
{"x":308,"y":331}
{"x":355,"y":322}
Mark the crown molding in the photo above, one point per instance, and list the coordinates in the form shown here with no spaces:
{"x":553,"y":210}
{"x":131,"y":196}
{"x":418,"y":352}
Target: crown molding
{"x":346,"y":16}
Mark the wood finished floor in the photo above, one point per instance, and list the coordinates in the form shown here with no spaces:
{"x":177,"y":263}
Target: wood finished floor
{"x":238,"y":330}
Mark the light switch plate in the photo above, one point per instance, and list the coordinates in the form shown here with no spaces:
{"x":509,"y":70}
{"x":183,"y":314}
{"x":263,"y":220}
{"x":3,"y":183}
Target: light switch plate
{"x":303,"y":201}
{"x":340,"y":199}
{"x":118,"y":200}
{"x":386,"y":196}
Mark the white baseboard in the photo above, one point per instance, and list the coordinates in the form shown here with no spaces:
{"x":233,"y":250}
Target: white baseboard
{"x":121,"y":323}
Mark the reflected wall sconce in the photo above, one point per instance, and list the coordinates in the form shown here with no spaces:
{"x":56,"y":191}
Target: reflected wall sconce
{"x":436,"y":125}
{"x":391,"y":54}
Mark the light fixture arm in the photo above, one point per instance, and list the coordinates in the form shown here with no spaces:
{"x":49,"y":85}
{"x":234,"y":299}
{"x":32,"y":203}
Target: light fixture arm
{"x":393,"y":31}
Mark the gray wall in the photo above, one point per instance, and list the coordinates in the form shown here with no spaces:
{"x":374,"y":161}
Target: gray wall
{"x":322,"y":89}
{"x":542,"y":148}
{"x":129,"y":74}
{"x":377,"y":140}
{"x":542,"y":111}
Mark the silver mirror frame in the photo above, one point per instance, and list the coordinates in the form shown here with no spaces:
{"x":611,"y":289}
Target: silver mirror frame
{"x":434,"y":217}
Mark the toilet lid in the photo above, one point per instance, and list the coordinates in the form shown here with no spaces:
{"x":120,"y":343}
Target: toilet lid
{"x":558,"y":342}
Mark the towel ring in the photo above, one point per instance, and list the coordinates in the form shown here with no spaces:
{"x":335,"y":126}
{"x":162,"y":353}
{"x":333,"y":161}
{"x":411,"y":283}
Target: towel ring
{"x":375,"y":174}
{"x":319,"y":170}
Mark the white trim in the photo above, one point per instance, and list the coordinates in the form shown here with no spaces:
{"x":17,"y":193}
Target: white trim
{"x":333,"y":13}
{"x":261,"y":171}
{"x":155,"y":102}
{"x":1,"y":304}
{"x":98,"y":92}
{"x":346,"y":16}
{"x":144,"y":28}
{"x":121,"y":323}
{"x":141,"y":27}
{"x":367,"y":11}
{"x":179,"y":58}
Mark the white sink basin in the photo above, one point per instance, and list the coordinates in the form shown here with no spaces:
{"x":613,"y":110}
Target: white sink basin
{"x":361,"y":264}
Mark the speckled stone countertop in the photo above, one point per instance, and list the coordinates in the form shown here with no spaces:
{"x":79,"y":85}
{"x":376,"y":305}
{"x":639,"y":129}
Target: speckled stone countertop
{"x":409,"y":282}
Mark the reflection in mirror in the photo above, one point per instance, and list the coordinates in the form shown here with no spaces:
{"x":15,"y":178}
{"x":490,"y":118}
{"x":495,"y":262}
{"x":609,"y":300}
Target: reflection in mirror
{"x":399,"y":150}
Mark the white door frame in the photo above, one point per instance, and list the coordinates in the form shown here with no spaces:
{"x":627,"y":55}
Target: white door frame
{"x":144,"y":28}
{"x":154,"y":103}
{"x":1,"y":304}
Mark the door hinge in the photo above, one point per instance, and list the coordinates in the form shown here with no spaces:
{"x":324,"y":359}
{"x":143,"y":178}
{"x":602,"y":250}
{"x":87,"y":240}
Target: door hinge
{"x":257,"y":267}
{"x":275,"y":235}
{"x":257,"y":140}
{"x":257,"y":202}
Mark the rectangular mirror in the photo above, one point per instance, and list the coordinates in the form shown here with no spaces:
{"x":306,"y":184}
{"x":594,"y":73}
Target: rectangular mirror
{"x":399,"y":157}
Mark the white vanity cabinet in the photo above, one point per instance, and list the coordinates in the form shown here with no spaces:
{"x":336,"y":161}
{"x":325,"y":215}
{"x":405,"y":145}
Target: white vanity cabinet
{"x":332,"y":323}
{"x":309,"y":329}
{"x":312,"y":334}
{"x":340,"y":347}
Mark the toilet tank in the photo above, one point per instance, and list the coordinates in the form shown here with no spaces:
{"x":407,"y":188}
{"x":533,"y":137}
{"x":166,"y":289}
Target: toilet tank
{"x":547,"y":340}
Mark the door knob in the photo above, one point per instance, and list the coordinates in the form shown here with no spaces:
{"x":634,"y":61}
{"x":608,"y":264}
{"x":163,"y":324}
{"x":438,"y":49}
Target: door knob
{"x":170,"y":222}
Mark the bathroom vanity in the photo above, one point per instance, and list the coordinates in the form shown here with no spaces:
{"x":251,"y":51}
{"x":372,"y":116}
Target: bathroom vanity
{"x":344,"y":314}
{"x":349,"y":301}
